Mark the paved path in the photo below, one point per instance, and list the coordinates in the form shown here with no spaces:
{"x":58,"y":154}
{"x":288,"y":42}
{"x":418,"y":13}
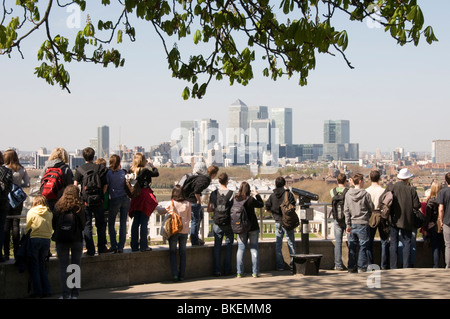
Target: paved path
{"x":414,"y":283}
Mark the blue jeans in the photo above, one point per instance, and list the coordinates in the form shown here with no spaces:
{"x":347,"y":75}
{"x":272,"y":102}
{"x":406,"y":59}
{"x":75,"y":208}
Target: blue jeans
{"x":242,"y":244}
{"x":64,"y":250}
{"x":39,"y":248}
{"x":437,"y":245}
{"x":119,"y":205}
{"x":339,"y":231}
{"x":196,"y":220}
{"x":384,"y":240}
{"x":219,"y":233}
{"x":100,"y":223}
{"x":290,"y":235}
{"x":139,"y":239}
{"x":358,"y":234}
{"x":404,"y":236}
{"x":181,"y":240}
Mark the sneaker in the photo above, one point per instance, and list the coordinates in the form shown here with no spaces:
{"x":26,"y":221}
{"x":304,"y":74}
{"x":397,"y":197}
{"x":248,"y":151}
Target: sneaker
{"x":239,"y":276}
{"x":255,"y":275}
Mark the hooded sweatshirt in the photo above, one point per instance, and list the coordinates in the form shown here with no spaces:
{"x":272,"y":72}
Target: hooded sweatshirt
{"x":357,"y":207}
{"x":275,"y":200}
{"x":39,"y":220}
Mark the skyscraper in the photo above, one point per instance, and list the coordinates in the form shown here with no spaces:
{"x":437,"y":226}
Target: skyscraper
{"x":336,"y":132}
{"x":282,"y":123}
{"x":237,"y":123}
{"x":103,"y":142}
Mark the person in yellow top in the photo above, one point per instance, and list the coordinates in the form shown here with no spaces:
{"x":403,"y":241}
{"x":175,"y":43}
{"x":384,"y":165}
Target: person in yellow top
{"x":39,"y":222}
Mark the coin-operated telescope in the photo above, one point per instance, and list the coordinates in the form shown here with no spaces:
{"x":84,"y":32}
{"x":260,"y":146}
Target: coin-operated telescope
{"x":306,"y":214}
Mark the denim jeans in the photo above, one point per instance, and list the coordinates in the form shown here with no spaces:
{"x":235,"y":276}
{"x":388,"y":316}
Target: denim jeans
{"x":64,"y":250}
{"x":219,"y":233}
{"x":117,"y":205}
{"x":437,"y":245}
{"x":403,"y":235}
{"x":100,"y":223}
{"x":412,"y":250}
{"x":39,"y":248}
{"x":242,"y":244}
{"x":384,"y":240}
{"x":358,"y":234}
{"x":196,"y":220}
{"x":339,"y":231}
{"x":139,"y":240}
{"x":181,"y":240}
{"x":290,"y":235}
{"x":4,"y":209}
{"x":12,"y":229}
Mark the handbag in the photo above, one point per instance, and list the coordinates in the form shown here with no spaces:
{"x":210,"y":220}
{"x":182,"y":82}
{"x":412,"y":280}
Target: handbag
{"x":17,"y":196}
{"x":173,"y":224}
{"x":133,"y":189}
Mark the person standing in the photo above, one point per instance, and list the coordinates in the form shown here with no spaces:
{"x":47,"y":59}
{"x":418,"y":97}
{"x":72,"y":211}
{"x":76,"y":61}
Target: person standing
{"x":405,"y":201}
{"x":57,"y":162}
{"x":142,"y":206}
{"x":119,"y":203}
{"x":433,"y":229}
{"x":6,"y":181}
{"x":357,"y":209}
{"x":39,"y":223}
{"x":69,"y":238}
{"x":220,"y":202}
{"x":338,"y":198}
{"x":251,"y":202}
{"x":376,"y":190}
{"x":12,"y":225}
{"x":182,"y":207}
{"x":192,"y":188}
{"x":92,"y":179}
{"x":443,"y":199}
{"x":273,"y":205}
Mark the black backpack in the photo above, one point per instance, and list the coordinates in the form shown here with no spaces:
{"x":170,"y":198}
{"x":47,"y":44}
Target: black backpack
{"x":91,"y":187}
{"x":6,"y":181}
{"x":289,"y":218}
{"x":222,"y":210}
{"x":337,"y":205}
{"x":240,"y":222}
{"x":67,"y":227}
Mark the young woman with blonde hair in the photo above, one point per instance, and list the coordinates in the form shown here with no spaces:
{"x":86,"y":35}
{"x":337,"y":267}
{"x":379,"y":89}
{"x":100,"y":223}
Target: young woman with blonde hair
{"x":142,"y":207}
{"x":58,"y":159}
{"x":434,"y":229}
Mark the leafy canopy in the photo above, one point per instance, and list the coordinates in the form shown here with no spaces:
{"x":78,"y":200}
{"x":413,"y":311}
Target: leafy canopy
{"x":288,"y":34}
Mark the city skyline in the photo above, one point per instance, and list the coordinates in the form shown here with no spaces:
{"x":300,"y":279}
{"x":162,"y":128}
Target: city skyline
{"x":396,"y":96}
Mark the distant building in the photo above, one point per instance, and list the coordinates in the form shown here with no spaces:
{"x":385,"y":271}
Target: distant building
{"x":336,"y":132}
{"x":440,"y":151}
{"x":336,"y":142}
{"x":282,"y":123}
{"x":102,"y":142}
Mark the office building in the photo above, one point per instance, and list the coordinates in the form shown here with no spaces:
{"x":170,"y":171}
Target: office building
{"x":102,"y":150}
{"x":282,"y":123}
{"x":336,"y":132}
{"x":440,"y":151}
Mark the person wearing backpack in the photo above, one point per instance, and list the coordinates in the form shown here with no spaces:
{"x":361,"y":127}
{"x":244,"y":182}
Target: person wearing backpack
{"x":220,"y":202}
{"x":6,"y":181}
{"x":55,"y":176}
{"x":68,"y":223}
{"x":381,"y":224}
{"x":337,"y":209}
{"x":357,"y":209}
{"x":92,"y":179}
{"x":249,"y":203}
{"x":273,"y":205}
{"x":39,"y":224}
{"x":22,"y":180}
{"x":433,"y":227}
{"x":142,"y":206}
{"x":192,"y":191}
{"x":405,"y":201}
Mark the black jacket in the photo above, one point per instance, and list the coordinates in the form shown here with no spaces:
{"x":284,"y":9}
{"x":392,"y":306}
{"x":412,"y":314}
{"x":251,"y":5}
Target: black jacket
{"x":250,"y":205}
{"x":195,"y":184}
{"x":403,"y":205}
{"x":275,"y":200}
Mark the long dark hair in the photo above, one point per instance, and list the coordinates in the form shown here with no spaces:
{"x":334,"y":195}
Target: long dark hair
{"x":177,"y":194}
{"x":70,"y":200}
{"x":244,"y":191}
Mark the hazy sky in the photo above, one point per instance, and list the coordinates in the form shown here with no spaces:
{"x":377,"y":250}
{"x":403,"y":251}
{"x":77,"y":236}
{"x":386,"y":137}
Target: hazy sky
{"x":395,"y":97}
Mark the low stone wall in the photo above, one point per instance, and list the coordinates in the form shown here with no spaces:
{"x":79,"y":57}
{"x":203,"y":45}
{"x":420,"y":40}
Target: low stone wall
{"x":117,"y":270}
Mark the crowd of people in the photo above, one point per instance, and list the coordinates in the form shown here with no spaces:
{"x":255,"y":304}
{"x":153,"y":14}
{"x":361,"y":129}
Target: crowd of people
{"x":69,"y":203}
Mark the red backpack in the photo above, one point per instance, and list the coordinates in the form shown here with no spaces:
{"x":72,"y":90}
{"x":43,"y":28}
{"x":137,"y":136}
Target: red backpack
{"x":52,"y":182}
